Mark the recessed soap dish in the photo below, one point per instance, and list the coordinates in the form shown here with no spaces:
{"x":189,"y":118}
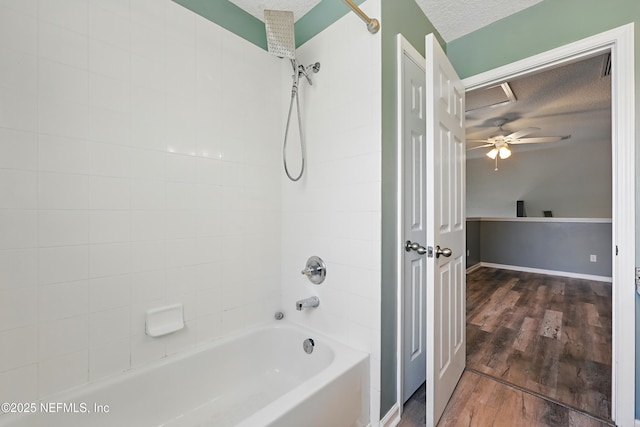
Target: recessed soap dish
{"x":164,"y":320}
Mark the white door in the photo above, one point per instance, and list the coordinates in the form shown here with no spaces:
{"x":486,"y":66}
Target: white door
{"x":445,"y":229}
{"x":415,"y":226}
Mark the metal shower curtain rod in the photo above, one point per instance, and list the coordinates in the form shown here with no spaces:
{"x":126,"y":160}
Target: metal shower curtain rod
{"x":373,"y":25}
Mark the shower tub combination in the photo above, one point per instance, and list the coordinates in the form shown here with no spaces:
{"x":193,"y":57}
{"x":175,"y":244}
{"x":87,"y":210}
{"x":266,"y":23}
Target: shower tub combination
{"x":260,"y":377}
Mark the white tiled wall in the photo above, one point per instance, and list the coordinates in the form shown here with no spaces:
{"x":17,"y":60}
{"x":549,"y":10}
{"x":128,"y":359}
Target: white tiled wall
{"x":139,"y":166}
{"x":335,"y":210}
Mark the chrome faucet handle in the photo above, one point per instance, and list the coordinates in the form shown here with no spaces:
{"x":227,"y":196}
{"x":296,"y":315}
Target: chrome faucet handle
{"x":315,"y":270}
{"x":310,"y":271}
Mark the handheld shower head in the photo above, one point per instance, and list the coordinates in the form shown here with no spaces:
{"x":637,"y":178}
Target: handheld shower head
{"x":304,"y":71}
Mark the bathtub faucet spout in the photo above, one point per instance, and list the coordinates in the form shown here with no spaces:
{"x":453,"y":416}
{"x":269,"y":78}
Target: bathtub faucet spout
{"x":310,"y":302}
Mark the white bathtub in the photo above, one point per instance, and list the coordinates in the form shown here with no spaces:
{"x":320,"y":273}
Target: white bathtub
{"x":261,"y":377}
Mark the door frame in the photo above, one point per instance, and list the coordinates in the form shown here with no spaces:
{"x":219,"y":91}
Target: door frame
{"x":403,"y":48}
{"x":621,"y":44}
{"x":620,"y":41}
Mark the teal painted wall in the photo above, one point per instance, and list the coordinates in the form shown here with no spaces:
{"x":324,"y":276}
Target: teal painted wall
{"x":231,"y":17}
{"x":236,"y":20}
{"x":544,"y":26}
{"x":320,"y":17}
{"x":398,"y":16}
{"x":547,"y":25}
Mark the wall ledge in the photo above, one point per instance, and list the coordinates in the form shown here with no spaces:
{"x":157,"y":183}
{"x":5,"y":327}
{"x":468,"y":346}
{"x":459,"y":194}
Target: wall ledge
{"x":543,"y":219}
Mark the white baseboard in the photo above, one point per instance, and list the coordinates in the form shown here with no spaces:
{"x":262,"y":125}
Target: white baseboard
{"x":549,"y":272}
{"x":474,"y":267}
{"x":392,"y":418}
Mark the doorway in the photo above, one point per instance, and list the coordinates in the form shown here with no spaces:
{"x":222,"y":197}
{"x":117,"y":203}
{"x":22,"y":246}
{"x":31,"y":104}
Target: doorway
{"x":620,"y":42}
{"x":546,"y":330}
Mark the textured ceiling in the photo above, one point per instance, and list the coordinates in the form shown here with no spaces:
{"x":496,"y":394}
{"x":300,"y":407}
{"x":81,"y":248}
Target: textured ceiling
{"x":456,"y":18}
{"x":574,"y":100}
{"x":452,"y":18}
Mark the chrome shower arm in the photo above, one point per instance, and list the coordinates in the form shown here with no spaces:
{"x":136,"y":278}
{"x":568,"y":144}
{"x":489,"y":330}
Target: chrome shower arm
{"x":373,"y":25}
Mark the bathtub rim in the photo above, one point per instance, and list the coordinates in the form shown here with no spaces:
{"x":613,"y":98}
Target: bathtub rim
{"x":344,"y":357}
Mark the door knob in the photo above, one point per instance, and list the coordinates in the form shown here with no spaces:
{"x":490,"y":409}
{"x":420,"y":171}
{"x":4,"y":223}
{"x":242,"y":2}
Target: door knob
{"x":446,"y":252}
{"x":408,"y":246}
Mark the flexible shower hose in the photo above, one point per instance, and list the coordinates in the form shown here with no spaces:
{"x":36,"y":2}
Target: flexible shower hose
{"x":294,"y":94}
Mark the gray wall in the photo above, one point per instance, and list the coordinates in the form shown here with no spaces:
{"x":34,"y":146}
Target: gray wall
{"x":559,"y":246}
{"x":473,"y":242}
{"x":571,"y":178}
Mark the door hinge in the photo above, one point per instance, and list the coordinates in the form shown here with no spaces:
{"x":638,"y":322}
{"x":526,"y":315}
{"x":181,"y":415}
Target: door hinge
{"x":616,"y":250}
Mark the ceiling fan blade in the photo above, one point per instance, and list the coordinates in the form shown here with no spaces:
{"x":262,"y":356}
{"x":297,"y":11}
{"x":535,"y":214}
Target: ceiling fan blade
{"x":520,"y":133}
{"x":480,"y":146}
{"x":478,"y":141}
{"x":539,"y":139}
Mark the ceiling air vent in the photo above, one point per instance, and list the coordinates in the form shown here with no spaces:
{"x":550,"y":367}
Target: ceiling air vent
{"x":494,"y":96}
{"x":606,"y":65}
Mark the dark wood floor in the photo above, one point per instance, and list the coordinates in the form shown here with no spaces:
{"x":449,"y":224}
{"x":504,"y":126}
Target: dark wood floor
{"x":547,"y":334}
{"x":480,"y":401}
{"x":528,"y":336}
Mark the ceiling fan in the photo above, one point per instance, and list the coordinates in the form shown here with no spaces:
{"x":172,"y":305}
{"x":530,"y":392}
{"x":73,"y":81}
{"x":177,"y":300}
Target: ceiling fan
{"x":502,"y":139}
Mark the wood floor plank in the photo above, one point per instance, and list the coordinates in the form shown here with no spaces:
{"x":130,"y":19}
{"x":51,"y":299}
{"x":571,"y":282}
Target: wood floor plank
{"x":496,"y":357}
{"x":592,"y":316}
{"x":511,"y":407}
{"x":601,"y":347}
{"x":518,"y":368}
{"x":526,"y":334}
{"x":551,"y":326}
{"x":489,"y":308}
{"x":574,"y":344}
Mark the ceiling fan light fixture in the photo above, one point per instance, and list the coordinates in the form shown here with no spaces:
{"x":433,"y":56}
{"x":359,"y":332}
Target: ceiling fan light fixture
{"x":493,"y":153}
{"x":505,"y":153}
